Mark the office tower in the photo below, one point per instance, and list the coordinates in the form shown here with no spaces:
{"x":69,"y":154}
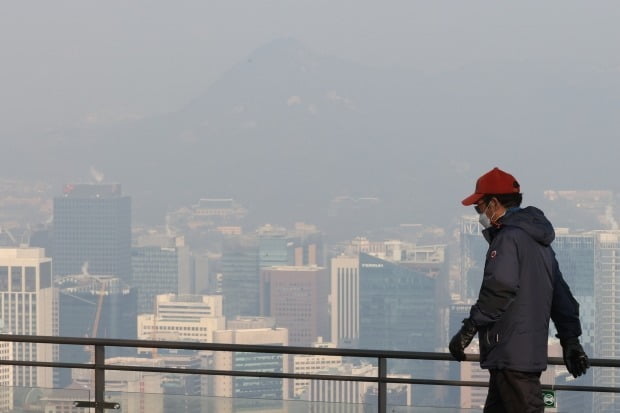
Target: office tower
{"x":430,"y":260}
{"x":155,"y":271}
{"x":162,"y":265}
{"x":28,"y":306}
{"x":243,"y":391}
{"x":575,"y":254}
{"x":473,"y":253}
{"x":273,"y":249}
{"x":297,"y":297}
{"x":94,"y":306}
{"x":398,"y":310}
{"x":240,"y":277}
{"x":607,"y":327}
{"x":344,"y":301}
{"x":92,"y":229}
{"x":183,"y":318}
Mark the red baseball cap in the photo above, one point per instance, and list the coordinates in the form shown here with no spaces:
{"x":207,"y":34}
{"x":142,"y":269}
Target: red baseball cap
{"x":495,"y":181}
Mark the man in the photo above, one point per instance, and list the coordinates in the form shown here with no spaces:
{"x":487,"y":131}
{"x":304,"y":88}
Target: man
{"x":521,"y":290}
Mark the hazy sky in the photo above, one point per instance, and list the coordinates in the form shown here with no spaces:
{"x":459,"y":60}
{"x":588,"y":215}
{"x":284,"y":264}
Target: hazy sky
{"x":65,"y":62}
{"x":68,"y":63}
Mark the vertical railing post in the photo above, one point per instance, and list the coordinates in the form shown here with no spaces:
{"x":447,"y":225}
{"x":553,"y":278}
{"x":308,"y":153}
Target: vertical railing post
{"x":382,"y":395}
{"x":99,"y":378}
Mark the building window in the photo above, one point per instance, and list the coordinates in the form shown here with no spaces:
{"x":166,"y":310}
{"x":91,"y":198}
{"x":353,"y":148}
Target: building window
{"x":4,"y":278}
{"x":45,"y":275}
{"x":16,"y":279}
{"x":31,"y":279}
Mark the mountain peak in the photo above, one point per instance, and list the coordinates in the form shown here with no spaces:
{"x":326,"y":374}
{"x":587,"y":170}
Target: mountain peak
{"x":284,"y":48}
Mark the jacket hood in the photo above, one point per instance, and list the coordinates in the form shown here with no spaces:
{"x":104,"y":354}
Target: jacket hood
{"x":533,"y":221}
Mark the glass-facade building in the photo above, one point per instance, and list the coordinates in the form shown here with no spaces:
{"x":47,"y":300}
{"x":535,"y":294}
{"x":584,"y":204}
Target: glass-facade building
{"x":92,"y":231}
{"x":91,"y":306}
{"x":155,"y":271}
{"x":575,"y":255}
{"x":398,"y":309}
{"x":273,"y":251}
{"x":607,"y":324}
{"x":240,"y":279}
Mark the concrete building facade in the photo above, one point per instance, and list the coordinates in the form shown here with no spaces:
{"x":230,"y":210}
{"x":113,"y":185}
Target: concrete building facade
{"x":344,"y":301}
{"x":297,"y":297}
{"x":28,"y":305}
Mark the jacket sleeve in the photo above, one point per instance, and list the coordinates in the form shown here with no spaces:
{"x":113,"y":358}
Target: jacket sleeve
{"x":500,"y":283}
{"x":564,"y":307}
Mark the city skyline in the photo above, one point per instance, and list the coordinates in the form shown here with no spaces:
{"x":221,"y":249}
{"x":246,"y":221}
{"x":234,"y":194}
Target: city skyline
{"x":290,"y":174}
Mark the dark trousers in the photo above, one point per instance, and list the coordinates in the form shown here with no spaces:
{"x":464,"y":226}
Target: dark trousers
{"x":514,"y":391}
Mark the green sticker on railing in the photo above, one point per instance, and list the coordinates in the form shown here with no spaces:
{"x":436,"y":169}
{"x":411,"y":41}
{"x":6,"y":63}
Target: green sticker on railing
{"x":549,"y":398}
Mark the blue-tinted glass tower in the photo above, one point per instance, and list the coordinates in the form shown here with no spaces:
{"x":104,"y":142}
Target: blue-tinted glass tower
{"x":398,"y":309}
{"x":92,"y":224}
{"x":240,"y":278}
{"x":155,"y":271}
{"x":94,"y":306}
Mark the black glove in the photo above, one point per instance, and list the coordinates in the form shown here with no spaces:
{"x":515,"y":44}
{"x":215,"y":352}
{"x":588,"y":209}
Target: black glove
{"x":462,"y":339}
{"x":575,"y":358}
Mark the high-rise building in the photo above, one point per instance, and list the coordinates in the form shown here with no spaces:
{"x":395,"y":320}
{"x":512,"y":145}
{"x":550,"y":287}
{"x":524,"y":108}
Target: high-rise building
{"x":344,"y":301}
{"x":240,"y":278}
{"x":28,"y":306}
{"x":398,"y":309}
{"x":92,"y":229}
{"x":607,"y":310}
{"x":155,"y":271}
{"x":94,"y":306}
{"x":297,"y":297}
{"x":184,"y":318}
{"x":161,"y":265}
{"x":575,"y":254}
{"x":273,"y":249}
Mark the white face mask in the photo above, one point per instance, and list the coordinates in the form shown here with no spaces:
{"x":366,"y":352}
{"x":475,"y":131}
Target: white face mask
{"x":484,"y":220}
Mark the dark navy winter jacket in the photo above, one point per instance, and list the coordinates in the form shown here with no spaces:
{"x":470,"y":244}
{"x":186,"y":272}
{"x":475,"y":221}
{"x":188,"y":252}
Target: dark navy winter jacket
{"x":521,"y":290}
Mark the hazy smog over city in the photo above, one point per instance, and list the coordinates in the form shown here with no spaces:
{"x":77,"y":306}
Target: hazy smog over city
{"x":290,"y":173}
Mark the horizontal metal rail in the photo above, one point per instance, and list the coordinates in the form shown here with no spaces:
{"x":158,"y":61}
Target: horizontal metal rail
{"x":382,"y":356}
{"x":182,"y":345}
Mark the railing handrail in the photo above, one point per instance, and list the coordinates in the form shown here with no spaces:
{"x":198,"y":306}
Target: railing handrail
{"x":382,"y":378}
{"x":259,"y":348}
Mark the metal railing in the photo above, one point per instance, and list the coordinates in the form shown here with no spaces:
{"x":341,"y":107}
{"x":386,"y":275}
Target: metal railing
{"x":382,"y":379}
